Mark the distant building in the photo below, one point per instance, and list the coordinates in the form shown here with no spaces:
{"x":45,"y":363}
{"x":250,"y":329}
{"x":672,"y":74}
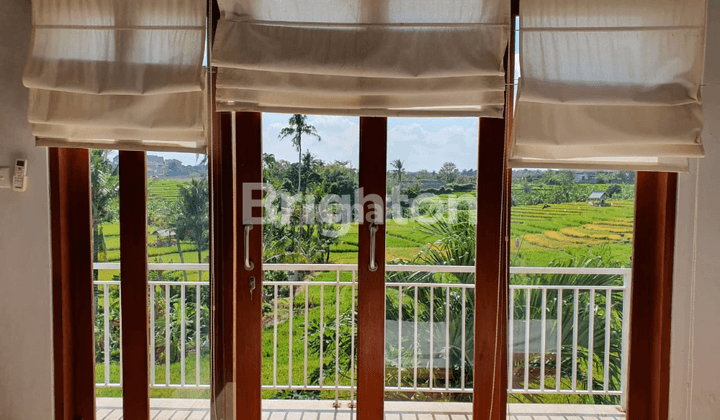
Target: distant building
{"x":156,"y":164}
{"x":597,"y":198}
{"x":584,"y":177}
{"x":430,"y":183}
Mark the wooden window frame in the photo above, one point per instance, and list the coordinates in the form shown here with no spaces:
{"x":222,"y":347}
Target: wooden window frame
{"x":648,"y":383}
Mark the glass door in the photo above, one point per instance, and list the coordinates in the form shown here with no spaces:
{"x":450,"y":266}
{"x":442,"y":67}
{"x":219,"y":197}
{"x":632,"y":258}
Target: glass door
{"x":430,"y":251}
{"x":310,"y":240}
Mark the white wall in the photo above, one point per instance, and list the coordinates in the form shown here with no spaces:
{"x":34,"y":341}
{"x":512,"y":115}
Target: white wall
{"x":25,"y":316}
{"x":695,"y":352}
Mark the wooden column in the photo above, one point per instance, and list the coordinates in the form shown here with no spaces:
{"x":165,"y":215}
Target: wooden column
{"x":72,"y":284}
{"x":248,"y":321}
{"x":134,"y":285}
{"x":222,"y":281}
{"x":371,"y":284}
{"x":489,"y":391}
{"x":652,"y":267}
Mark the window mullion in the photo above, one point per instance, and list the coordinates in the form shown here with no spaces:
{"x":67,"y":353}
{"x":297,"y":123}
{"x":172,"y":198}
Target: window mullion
{"x":134,"y":285}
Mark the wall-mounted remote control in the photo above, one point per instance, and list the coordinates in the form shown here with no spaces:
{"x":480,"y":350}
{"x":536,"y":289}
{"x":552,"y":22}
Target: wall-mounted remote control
{"x":19,"y":181}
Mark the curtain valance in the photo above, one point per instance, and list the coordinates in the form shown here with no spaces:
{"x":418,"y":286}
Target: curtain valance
{"x":358,"y":57}
{"x":609,"y":85}
{"x":118,"y":74}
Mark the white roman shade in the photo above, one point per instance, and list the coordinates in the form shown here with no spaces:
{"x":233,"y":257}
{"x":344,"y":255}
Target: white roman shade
{"x":611,"y":84}
{"x":360,"y":57}
{"x":120,"y":74}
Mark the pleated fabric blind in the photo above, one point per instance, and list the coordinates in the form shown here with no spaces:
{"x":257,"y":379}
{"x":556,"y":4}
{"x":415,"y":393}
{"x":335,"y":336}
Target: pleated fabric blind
{"x":609,"y":84}
{"x":362,"y":57}
{"x":120,"y":74}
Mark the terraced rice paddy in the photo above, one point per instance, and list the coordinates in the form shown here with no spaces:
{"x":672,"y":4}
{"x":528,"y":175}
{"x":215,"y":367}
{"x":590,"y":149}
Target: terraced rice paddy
{"x":539,"y":234}
{"x":562,"y":231}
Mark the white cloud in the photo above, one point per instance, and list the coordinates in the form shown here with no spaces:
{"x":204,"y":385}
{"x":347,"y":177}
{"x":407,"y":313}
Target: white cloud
{"x":428,"y":143}
{"x":423,"y":143}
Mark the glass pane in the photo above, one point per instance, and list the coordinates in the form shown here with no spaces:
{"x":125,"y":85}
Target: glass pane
{"x":309,"y":325}
{"x":178,"y":254}
{"x":179,"y":292}
{"x":571,"y":252}
{"x":104,"y":184}
{"x":432,"y":171}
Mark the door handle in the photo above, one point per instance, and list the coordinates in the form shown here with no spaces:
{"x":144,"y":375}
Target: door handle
{"x":249,"y":265}
{"x":373,"y":266}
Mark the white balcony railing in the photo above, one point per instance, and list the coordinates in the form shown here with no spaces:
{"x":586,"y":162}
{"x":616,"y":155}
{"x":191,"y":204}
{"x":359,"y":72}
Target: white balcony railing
{"x":428,"y":348}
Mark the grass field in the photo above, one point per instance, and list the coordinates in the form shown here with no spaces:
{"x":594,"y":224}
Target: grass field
{"x":539,"y":235}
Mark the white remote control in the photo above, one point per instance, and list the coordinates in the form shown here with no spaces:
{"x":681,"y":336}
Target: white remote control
{"x":19,"y":182}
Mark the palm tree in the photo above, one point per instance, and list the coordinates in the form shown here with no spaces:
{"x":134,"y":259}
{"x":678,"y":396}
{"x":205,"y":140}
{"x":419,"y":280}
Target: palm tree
{"x":399,"y":169}
{"x":298,"y":126}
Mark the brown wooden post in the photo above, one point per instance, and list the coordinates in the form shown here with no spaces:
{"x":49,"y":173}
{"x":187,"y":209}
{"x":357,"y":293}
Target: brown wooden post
{"x":248,"y":321}
{"x":489,"y":394}
{"x":222,"y":278}
{"x":652,"y":267}
{"x":134,"y":285}
{"x":371,"y":284}
{"x":72,"y":284}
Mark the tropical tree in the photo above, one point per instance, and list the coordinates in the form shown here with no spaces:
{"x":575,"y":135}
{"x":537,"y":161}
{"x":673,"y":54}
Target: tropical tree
{"x":397,"y":164}
{"x":104,"y":187}
{"x":192,"y":218}
{"x":448,"y":173}
{"x":613,"y":189}
{"x":298,"y":127}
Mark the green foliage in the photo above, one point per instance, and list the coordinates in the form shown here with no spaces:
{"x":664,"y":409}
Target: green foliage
{"x":448,"y":173}
{"x":108,"y":298}
{"x":104,"y":194}
{"x":193,"y":214}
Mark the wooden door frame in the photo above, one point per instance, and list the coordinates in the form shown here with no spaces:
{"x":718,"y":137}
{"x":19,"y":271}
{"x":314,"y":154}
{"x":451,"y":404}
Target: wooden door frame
{"x":648,"y":388}
{"x":371,"y":283}
{"x":248,"y":304}
{"x":72,"y":283}
{"x":222,"y":273}
{"x":491,"y":281}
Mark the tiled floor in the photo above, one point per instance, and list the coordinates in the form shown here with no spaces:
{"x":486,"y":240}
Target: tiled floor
{"x":181,"y":409}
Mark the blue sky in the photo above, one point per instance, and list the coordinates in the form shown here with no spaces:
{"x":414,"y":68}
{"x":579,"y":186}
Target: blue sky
{"x":422,"y":143}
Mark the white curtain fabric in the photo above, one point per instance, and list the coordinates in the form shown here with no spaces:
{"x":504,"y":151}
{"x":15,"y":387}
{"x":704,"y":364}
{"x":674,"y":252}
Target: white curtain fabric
{"x":119,"y":74}
{"x":611,"y":84}
{"x":362,"y":57}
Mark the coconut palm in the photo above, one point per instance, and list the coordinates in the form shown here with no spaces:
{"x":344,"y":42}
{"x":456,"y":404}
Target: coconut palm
{"x":399,"y":169}
{"x":298,"y":127}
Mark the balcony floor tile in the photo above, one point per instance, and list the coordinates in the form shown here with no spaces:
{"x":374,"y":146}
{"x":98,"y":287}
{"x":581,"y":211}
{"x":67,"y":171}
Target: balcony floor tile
{"x":187,"y":409}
